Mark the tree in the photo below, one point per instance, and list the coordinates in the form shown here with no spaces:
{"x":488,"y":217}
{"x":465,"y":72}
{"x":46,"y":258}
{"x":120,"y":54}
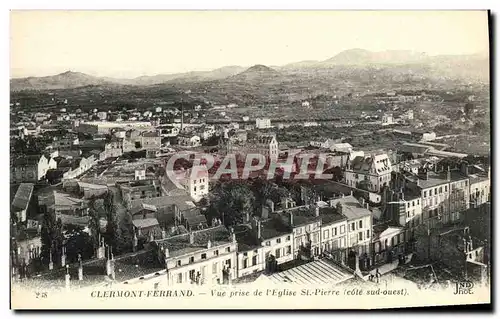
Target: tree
{"x":124,"y":234}
{"x":51,"y":237}
{"x":111,"y":226}
{"x":231,"y":202}
{"x":78,"y":243}
{"x":94,"y":225}
{"x":468,"y":109}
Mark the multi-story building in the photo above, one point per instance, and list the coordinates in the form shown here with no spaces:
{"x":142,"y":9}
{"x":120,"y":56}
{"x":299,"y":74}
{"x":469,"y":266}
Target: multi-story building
{"x":306,"y":224}
{"x":263,"y":244}
{"x":371,"y":173}
{"x":140,"y":189}
{"x":264,"y":144}
{"x":203,"y":257}
{"x":263,"y":123}
{"x":21,"y":201}
{"x":195,"y":182}
{"x":359,"y":227}
{"x":31,"y":168}
{"x":333,"y":233}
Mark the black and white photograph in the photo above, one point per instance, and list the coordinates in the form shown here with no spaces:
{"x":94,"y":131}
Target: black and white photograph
{"x":249,"y":159}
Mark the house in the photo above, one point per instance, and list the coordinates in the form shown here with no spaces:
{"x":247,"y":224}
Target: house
{"x":463,"y":254}
{"x":370,"y":173}
{"x":387,"y":119}
{"x":341,"y":147}
{"x":188,"y":140}
{"x":326,"y":143}
{"x":264,"y":144}
{"x":306,"y":224}
{"x":359,"y":229}
{"x":139,"y":189}
{"x":263,"y":244}
{"x":262,"y":123}
{"x":333,"y":232}
{"x":145,"y":223}
{"x":31,"y":168}
{"x":22,"y":200}
{"x":388,"y":243}
{"x":195,"y":181}
{"x":206,"y":256}
{"x":92,"y":190}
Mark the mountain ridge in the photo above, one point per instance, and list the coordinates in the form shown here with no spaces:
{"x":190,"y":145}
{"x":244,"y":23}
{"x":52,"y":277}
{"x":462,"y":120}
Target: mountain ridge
{"x":462,"y":65}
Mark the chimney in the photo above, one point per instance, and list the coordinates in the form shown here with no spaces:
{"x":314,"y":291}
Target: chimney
{"x":344,"y":196}
{"x":248,"y":217}
{"x":259,"y":229}
{"x":351,"y":193}
{"x":191,"y":238}
{"x":151,"y":236}
{"x":67,"y":278}
{"x":51,"y":264}
{"x":316,"y":211}
{"x":291,"y":218}
{"x":362,"y":200}
{"x":367,"y":206}
{"x":166,"y":252}
{"x":209,"y":244}
{"x":265,"y":212}
{"x":448,"y":174}
{"x":233,"y":236}
{"x":63,"y":256}
{"x":163,"y":234}
{"x":80,"y":268}
{"x":134,"y":243}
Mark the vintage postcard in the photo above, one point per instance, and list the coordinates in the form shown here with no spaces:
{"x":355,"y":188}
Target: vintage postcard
{"x":249,"y":159}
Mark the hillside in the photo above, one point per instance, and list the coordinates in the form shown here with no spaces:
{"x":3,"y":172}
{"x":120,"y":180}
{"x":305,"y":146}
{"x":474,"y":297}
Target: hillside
{"x":66,"y":80}
{"x":256,"y":73}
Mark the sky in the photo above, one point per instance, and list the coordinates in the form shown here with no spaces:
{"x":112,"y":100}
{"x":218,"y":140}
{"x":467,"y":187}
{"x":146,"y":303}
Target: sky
{"x":134,"y":43}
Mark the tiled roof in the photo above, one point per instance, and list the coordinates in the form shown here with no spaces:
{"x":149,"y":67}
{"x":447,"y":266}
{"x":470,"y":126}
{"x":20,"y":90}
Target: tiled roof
{"x":317,"y":272}
{"x":351,"y":208}
{"x":22,"y":197}
{"x":180,"y":244}
{"x":145,"y":223}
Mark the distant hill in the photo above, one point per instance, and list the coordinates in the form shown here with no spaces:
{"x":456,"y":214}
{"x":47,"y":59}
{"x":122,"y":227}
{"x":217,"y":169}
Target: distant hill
{"x":354,"y":64}
{"x":257,"y":72}
{"x":66,"y":80}
{"x":363,"y":57}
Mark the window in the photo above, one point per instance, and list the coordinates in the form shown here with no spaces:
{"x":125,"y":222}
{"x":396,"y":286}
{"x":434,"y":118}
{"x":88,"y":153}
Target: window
{"x":254,"y":260}
{"x":203,"y":256}
{"x":326,"y":234}
{"x":214,"y":268}
{"x":288,"y":250}
{"x":360,"y":224}
{"x":195,"y":188}
{"x":342,"y":229}
{"x":216,"y":253}
{"x":435,"y":191}
{"x":202,"y":187}
{"x":288,"y":238}
{"x":179,"y":262}
{"x":445,"y":188}
{"x":278,"y":241}
{"x":191,"y":260}
{"x":228,"y":263}
{"x":418,"y":201}
{"x":440,"y":190}
{"x":413,"y":203}
{"x":425,"y":194}
{"x":278,"y":253}
{"x":192,"y":274}
{"x":360,"y":236}
{"x":408,"y":205}
{"x":367,"y":234}
{"x":299,"y":231}
{"x":334,"y":232}
{"x":228,"y":249}
{"x":179,"y":278}
{"x":408,"y":214}
{"x":353,"y":226}
{"x":268,"y":243}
